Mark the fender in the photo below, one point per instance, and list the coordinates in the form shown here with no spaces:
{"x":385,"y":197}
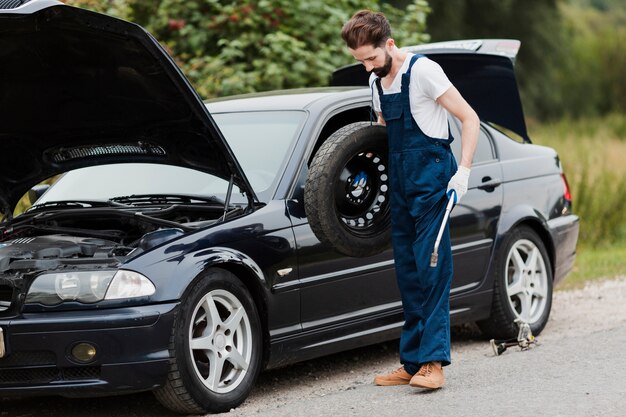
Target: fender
{"x":523,"y":213}
{"x":220,"y":255}
{"x":510,"y":219}
{"x":224,"y":256}
{"x":183,"y":268}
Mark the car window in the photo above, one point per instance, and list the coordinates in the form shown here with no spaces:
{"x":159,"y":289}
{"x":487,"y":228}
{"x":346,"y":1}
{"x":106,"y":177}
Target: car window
{"x":107,"y":181}
{"x":261,"y":142}
{"x":484,"y":148}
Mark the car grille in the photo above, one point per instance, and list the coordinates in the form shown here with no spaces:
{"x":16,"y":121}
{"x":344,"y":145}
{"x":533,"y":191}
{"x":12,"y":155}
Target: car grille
{"x":88,"y":372}
{"x":24,"y":359}
{"x":79,"y":152}
{"x":38,"y":376}
{"x":39,"y":367}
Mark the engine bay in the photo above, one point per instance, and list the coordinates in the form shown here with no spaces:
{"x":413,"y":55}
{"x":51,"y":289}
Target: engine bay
{"x":36,"y":237}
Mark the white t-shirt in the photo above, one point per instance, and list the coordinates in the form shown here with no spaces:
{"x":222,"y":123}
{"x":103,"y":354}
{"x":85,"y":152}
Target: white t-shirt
{"x":428,"y":83}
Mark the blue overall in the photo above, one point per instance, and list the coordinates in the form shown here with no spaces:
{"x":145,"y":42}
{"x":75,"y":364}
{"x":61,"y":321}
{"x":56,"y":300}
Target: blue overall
{"x":419,"y":170}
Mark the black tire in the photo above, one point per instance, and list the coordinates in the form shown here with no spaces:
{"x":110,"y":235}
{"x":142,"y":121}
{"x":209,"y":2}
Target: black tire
{"x":190,"y":387}
{"x":510,"y":300}
{"x":346,"y":192}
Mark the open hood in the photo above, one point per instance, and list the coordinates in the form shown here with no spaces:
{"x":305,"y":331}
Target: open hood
{"x":78,"y":88}
{"x":482,"y":70}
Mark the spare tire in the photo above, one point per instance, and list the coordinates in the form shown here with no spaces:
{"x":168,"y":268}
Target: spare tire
{"x":346,"y":194}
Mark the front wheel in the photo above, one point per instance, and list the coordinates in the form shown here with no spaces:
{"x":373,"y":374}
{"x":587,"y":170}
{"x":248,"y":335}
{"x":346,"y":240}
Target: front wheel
{"x":523,"y":286}
{"x":215,"y":348}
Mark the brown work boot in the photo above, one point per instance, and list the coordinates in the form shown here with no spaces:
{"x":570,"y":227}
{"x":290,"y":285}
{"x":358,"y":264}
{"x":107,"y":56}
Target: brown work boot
{"x":397,"y":377}
{"x":429,"y":376}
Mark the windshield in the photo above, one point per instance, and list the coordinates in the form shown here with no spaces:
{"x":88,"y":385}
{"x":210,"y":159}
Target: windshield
{"x":261,"y":142}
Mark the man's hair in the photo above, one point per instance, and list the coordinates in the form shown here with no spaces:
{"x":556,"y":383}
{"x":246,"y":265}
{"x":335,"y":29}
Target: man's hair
{"x":366,"y":28}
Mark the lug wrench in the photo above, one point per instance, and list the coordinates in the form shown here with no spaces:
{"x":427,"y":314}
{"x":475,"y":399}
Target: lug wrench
{"x":435,"y":255}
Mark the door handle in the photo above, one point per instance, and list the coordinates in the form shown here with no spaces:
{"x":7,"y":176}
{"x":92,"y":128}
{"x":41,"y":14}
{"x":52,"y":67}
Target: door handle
{"x":489,"y":184}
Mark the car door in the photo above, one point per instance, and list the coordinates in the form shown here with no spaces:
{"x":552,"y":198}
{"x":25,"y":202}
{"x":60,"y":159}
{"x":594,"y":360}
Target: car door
{"x":335,"y":288}
{"x":473,"y":222}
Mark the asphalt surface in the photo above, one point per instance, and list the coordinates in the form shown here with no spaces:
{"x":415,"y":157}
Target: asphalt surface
{"x":578,"y":368}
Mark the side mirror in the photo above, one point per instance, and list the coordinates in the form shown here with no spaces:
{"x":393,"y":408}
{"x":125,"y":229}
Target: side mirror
{"x":36,"y":192}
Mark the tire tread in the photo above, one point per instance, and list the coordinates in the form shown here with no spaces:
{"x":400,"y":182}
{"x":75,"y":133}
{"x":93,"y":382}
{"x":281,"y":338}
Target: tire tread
{"x":315,"y":197}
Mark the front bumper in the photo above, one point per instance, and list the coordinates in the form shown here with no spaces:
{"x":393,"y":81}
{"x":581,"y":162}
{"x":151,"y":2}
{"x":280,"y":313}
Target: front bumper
{"x":131,"y":345}
{"x":564,"y":232}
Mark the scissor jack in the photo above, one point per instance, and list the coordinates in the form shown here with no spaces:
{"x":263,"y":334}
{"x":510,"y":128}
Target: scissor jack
{"x":524,"y":340}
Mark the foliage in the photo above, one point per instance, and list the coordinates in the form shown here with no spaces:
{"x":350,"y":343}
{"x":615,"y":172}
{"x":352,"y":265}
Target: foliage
{"x":113,"y":7}
{"x":603,"y":5}
{"x":572,"y":59}
{"x":536,"y":23}
{"x":592,"y":78}
{"x":592,"y":151}
{"x":593,"y":263}
{"x":235,"y":46}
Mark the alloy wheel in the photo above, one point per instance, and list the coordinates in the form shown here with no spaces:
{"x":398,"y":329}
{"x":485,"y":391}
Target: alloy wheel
{"x":220,"y":341}
{"x":526,"y":280}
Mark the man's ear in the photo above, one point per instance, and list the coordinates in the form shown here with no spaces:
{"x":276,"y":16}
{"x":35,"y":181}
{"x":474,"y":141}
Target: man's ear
{"x":389,"y":44}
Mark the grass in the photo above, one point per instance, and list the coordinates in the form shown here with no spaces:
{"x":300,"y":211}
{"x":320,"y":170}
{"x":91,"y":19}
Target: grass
{"x":592,"y":152}
{"x":594,"y":264}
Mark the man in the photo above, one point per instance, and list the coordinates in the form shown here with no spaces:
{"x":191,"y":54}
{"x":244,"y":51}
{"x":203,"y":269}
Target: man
{"x":412,"y":95}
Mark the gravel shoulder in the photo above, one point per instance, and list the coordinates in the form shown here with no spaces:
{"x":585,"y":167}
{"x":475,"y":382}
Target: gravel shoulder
{"x":577,"y":369}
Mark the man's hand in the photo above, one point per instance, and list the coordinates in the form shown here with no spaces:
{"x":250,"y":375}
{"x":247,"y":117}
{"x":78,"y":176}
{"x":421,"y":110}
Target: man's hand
{"x":458,"y":183}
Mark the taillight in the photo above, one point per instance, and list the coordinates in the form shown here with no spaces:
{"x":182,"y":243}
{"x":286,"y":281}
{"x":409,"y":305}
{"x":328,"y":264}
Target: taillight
{"x":567,"y":194}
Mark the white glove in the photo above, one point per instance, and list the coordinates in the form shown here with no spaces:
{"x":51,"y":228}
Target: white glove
{"x":458,"y":183}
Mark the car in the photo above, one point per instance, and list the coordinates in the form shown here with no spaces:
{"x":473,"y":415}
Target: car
{"x":184,"y":246}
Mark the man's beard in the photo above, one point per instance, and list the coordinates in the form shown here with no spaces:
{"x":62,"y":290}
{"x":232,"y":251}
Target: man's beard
{"x":382,"y":72}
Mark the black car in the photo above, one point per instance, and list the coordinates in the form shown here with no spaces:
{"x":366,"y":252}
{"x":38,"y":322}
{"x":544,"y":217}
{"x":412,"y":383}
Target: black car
{"x":189,"y":245}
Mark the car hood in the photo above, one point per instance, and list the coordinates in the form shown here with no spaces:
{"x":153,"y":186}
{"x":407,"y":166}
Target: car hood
{"x":481,"y":69}
{"x":79,"y":88}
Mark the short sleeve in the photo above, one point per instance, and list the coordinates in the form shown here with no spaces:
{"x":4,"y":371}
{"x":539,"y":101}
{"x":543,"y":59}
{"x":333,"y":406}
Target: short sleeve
{"x":430,"y":78}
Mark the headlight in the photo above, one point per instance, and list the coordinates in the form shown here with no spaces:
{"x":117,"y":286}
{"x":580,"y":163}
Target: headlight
{"x":129,"y":284}
{"x":88,"y":287}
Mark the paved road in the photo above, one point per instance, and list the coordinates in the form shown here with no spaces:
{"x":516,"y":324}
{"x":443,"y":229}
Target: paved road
{"x":578,"y":369}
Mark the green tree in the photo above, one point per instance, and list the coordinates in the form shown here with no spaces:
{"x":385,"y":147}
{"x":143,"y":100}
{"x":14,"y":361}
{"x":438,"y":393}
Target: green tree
{"x":537,"y":23}
{"x":592,"y":79}
{"x":235,"y":46}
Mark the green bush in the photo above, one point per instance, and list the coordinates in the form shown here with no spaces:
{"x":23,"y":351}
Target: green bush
{"x":228,"y":47}
{"x":590,"y":79}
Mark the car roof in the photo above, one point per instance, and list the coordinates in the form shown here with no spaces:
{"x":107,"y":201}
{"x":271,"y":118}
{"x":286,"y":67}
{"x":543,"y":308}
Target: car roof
{"x":294,"y":99}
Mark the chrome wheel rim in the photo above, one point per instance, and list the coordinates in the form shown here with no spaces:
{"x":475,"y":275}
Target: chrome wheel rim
{"x":526,"y":281}
{"x":220,"y":341}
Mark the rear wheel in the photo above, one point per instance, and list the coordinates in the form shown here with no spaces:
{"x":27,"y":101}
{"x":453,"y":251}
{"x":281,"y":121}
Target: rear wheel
{"x":215,"y":349}
{"x":522,"y":288}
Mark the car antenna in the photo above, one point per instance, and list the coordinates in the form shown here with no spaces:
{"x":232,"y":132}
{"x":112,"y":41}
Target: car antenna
{"x":228,"y":194}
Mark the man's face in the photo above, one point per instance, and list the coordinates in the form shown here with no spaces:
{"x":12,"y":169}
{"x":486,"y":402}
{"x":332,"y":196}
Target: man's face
{"x":375,"y":59}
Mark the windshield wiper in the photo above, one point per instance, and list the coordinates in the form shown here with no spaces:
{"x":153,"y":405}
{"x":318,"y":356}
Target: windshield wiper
{"x":160,"y":199}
